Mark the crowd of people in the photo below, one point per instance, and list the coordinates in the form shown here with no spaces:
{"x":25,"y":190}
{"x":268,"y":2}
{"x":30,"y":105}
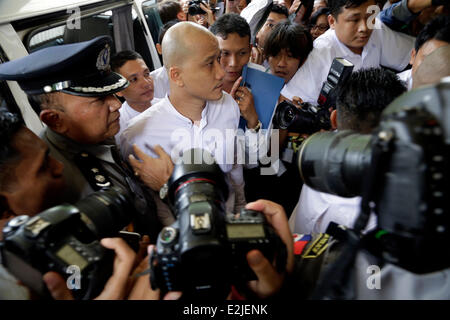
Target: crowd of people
{"x":113,"y":122}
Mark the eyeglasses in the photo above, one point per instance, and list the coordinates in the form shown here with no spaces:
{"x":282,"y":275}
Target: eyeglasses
{"x":320,"y":27}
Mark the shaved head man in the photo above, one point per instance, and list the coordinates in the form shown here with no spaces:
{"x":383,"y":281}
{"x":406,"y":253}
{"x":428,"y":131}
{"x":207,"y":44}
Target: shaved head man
{"x":434,"y":67}
{"x":196,"y":113}
{"x":191,"y":56}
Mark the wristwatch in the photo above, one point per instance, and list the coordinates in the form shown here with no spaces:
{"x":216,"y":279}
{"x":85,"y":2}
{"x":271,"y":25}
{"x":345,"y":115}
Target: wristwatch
{"x":256,"y":129}
{"x":163,"y":191}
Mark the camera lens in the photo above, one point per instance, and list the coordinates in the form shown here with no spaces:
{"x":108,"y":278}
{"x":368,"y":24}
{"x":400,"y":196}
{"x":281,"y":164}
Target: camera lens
{"x":196,"y":178}
{"x":285,"y":115}
{"x":335,"y":162}
{"x":108,"y":210}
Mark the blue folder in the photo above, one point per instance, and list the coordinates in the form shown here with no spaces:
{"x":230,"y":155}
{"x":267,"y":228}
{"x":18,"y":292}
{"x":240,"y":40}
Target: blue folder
{"x":265,"y":88}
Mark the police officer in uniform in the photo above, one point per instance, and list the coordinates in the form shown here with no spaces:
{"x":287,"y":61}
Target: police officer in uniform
{"x":74,"y":88}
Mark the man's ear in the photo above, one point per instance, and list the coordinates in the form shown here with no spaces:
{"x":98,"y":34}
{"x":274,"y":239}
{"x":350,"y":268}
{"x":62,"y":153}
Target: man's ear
{"x":175,"y":76}
{"x":331,"y":21}
{"x":181,"y":16}
{"x":159,"y":48}
{"x":333,"y":119}
{"x":413,"y":56}
{"x":54,"y":119}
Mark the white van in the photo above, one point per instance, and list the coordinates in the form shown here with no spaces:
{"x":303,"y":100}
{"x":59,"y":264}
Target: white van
{"x":29,"y":25}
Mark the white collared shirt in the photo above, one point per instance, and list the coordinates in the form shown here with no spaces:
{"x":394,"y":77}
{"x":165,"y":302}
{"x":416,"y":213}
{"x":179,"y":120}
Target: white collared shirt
{"x":384,"y":48}
{"x":406,"y":76}
{"x":126,"y":114}
{"x":162,"y":124}
{"x":315,"y":210}
{"x":160,"y":82}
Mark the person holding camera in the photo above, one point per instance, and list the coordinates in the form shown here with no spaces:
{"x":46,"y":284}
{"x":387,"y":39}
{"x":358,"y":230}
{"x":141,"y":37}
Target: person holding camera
{"x":73,"y":88}
{"x":30,"y":172}
{"x":287,"y":47}
{"x":360,"y":101}
{"x":269,"y":281}
{"x":352,"y":36}
{"x":199,"y":12}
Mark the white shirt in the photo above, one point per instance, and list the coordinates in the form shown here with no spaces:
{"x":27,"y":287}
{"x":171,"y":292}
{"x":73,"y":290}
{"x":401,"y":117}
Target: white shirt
{"x":162,"y":124}
{"x":315,"y":210}
{"x":126,"y":114}
{"x":160,"y":82}
{"x":406,"y":76}
{"x":384,"y":48}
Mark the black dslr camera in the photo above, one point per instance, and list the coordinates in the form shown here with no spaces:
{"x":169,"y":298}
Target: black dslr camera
{"x":402,"y":172}
{"x":204,"y":252}
{"x":194,"y":7}
{"x":65,"y":239}
{"x":309,"y":118}
{"x":306,"y":119}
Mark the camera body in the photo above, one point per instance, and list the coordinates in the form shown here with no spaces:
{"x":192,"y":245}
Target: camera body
{"x":194,"y":7}
{"x":340,"y":70}
{"x":204,"y":252}
{"x":66,"y":239}
{"x":402,"y":169}
{"x":306,"y":119}
{"x":309,"y":118}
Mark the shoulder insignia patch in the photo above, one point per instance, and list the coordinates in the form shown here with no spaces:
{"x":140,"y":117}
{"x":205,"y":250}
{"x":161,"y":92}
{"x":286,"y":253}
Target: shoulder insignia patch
{"x":319,"y":245}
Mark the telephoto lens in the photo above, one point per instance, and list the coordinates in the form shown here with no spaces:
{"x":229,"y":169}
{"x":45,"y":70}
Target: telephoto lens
{"x":335,"y":162}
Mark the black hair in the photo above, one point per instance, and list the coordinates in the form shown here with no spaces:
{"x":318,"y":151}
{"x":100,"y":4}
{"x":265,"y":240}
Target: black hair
{"x":291,"y":36}
{"x":168,"y":10}
{"x":10,"y":124}
{"x":362,"y":98}
{"x":120,"y":58}
{"x":231,"y":23}
{"x":321,"y":11}
{"x":336,"y":6}
{"x":438,"y":28}
{"x":277,"y":8}
{"x":166,"y":27}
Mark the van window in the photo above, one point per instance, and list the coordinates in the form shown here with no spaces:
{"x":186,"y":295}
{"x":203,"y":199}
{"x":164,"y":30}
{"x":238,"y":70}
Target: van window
{"x":90,"y":27}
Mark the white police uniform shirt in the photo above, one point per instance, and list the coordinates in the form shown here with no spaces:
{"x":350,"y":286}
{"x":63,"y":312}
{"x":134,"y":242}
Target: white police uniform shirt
{"x":160,"y":82}
{"x":384,"y":48}
{"x":315,"y":210}
{"x":406,"y":76}
{"x":162,"y":124}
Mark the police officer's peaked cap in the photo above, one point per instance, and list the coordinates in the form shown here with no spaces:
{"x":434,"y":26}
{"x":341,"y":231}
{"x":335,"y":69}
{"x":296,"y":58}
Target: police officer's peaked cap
{"x":80,"y":69}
